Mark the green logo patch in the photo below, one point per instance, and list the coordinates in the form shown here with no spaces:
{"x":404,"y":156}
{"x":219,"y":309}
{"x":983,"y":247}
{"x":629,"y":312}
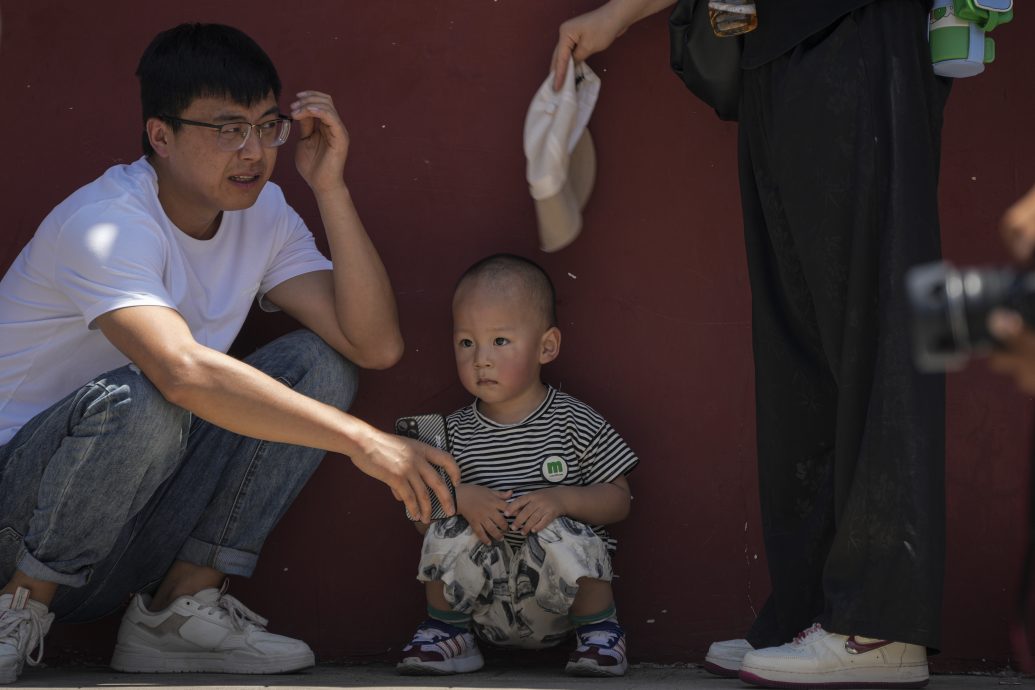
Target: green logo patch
{"x":554,"y":469}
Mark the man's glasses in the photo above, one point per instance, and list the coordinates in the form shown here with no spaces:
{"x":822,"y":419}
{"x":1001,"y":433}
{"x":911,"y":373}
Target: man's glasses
{"x":233,"y":135}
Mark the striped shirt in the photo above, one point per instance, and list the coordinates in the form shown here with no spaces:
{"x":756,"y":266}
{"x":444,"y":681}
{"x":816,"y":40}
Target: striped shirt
{"x":564,"y":442}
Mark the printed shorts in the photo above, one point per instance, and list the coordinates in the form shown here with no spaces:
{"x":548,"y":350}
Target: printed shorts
{"x":517,"y":597}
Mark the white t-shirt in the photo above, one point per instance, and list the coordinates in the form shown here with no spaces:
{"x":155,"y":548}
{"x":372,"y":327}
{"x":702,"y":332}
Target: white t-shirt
{"x":110,"y":245}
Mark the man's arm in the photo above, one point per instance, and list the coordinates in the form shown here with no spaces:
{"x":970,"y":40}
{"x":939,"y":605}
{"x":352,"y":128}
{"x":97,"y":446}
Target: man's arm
{"x":352,"y":308}
{"x":241,"y":399}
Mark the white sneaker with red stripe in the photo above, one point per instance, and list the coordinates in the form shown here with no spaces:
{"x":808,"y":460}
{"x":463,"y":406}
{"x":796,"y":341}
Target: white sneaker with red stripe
{"x":820,"y":659}
{"x":438,"y":648}
{"x":725,"y":656}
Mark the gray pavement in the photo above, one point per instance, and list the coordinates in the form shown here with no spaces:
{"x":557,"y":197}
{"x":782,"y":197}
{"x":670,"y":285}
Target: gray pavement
{"x":384,"y":676}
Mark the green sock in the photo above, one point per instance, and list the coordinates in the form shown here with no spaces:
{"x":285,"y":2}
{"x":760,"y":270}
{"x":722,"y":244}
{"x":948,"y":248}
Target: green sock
{"x":454,"y":618}
{"x":608,"y":614}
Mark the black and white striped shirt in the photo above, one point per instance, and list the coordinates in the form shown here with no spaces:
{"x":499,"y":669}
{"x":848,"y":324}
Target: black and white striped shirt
{"x":564,"y":442}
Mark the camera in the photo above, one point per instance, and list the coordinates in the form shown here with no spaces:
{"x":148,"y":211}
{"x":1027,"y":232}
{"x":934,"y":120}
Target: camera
{"x":407,"y":426}
{"x":950,"y":307}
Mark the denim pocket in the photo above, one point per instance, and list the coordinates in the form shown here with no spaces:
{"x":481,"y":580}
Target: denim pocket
{"x":10,"y":550}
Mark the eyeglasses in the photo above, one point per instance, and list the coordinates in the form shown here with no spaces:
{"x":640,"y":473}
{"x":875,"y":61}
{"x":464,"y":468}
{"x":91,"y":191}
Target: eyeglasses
{"x":233,"y":135}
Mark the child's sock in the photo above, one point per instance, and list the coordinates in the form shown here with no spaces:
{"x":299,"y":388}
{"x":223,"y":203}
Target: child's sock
{"x":454,"y":618}
{"x":608,"y":614}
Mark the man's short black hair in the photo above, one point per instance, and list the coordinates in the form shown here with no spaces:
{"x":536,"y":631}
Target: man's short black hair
{"x":534,"y":281}
{"x":196,"y":60}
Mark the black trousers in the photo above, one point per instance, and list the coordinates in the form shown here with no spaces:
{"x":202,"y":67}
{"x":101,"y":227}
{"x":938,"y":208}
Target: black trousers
{"x":839,"y":155}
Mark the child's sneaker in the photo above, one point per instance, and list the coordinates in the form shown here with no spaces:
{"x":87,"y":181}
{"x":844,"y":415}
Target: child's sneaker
{"x":23,"y":624}
{"x":438,"y":648}
{"x":601,"y":651}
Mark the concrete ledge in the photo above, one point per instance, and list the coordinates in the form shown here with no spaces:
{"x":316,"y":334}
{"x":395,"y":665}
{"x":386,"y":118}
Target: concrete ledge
{"x":384,"y":676}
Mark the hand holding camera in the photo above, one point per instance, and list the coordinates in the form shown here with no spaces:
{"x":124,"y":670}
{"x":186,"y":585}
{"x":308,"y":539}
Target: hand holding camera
{"x":958,"y":312}
{"x":1016,"y":357}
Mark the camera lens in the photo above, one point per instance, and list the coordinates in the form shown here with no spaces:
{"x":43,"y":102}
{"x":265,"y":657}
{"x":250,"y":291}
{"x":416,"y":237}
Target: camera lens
{"x":950,"y":309}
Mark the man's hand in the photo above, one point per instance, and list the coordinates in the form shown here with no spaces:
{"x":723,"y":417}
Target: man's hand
{"x":583,"y":36}
{"x":534,"y":511}
{"x":1018,"y":227}
{"x":1017,"y":356}
{"x":323,"y":145}
{"x":405,"y":466}
{"x":592,"y":32}
{"x":483,"y":509}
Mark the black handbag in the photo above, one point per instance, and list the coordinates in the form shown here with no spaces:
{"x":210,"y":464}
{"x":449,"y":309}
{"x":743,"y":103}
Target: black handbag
{"x":707,"y":64}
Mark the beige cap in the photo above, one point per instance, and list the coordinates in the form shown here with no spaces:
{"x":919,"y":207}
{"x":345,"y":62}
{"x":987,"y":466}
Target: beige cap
{"x":561,"y":159}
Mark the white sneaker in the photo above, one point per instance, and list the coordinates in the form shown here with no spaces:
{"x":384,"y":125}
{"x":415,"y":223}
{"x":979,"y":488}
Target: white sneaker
{"x":23,"y":624}
{"x":209,"y":632}
{"x":820,"y":659}
{"x":724,"y":657}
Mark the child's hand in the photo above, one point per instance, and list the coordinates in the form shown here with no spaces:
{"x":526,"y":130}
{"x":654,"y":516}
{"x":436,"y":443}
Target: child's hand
{"x":532,"y":512}
{"x":483,"y":509}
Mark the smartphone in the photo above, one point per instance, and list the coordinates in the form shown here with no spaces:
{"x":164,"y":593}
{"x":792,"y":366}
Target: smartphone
{"x":430,"y":429}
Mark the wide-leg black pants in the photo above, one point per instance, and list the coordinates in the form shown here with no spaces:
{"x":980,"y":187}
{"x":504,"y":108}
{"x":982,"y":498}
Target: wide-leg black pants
{"x":839,"y":155}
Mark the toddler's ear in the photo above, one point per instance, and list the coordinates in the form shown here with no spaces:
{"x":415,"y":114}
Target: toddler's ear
{"x":550,"y":346}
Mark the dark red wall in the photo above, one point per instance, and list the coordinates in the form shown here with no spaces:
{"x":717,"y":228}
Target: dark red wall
{"x":653,"y":296}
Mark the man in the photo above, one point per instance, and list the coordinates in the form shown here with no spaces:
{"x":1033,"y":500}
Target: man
{"x":134,"y":451}
{"x":840,"y":125}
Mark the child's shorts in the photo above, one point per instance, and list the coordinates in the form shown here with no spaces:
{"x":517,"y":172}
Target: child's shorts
{"x":517,"y":597}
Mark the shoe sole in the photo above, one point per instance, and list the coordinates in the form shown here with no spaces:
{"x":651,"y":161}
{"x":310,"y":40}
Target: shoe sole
{"x":805,"y":681}
{"x":10,"y":675}
{"x":132,"y":661}
{"x":721,"y":671}
{"x":416,"y":667}
{"x":595,"y":670}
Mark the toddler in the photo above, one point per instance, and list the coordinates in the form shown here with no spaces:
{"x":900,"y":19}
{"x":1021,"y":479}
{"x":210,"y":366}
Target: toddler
{"x":526,"y":559}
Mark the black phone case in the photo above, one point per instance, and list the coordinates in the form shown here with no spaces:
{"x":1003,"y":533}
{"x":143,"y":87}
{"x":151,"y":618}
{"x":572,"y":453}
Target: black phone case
{"x":430,"y":429}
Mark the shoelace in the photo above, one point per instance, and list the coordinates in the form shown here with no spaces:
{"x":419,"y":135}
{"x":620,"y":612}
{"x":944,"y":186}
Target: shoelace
{"x":11,"y":622}
{"x":428,"y":633}
{"x":802,"y":637}
{"x":600,"y":637}
{"x":241,"y":617}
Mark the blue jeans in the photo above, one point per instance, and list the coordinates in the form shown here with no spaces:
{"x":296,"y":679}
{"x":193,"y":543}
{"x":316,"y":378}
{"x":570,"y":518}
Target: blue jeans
{"x":104,"y":490}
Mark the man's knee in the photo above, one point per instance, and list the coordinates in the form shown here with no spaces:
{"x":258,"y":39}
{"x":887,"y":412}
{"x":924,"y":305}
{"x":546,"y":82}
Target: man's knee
{"x":333,"y":379}
{"x":303,"y":361}
{"x":131,"y":418}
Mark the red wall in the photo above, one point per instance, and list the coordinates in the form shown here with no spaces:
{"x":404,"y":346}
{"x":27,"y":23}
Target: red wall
{"x":653,"y":296}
